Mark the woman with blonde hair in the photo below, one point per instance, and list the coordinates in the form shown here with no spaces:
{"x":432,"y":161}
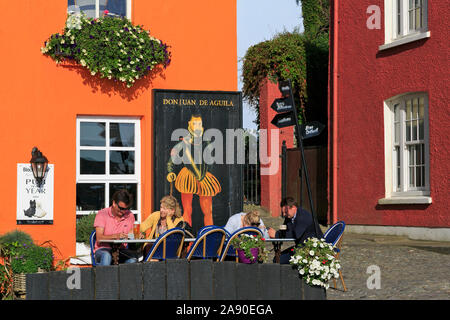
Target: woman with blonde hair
{"x":168,"y":217}
{"x":242,"y":219}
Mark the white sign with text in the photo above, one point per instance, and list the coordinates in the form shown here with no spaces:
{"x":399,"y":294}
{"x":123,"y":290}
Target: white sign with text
{"x":34,"y":202}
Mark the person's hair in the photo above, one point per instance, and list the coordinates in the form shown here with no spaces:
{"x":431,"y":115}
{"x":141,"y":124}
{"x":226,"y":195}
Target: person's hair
{"x":288,"y":201}
{"x":123,"y":196}
{"x":171,"y":202}
{"x":252,"y":218}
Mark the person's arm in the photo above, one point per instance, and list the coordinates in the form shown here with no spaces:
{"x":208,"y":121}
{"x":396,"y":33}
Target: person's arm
{"x":99,"y":233}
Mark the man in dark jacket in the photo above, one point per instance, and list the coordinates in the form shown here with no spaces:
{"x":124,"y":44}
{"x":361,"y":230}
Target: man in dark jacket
{"x":300,"y":226}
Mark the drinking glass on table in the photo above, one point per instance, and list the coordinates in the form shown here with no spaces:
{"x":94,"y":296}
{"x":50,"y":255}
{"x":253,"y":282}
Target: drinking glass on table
{"x":136,"y":230}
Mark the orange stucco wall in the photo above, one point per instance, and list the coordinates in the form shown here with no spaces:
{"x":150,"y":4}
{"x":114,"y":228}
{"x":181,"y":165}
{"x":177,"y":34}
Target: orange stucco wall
{"x":40,"y":100}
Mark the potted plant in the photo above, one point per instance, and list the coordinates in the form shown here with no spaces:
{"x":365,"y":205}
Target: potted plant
{"x":250,"y":248}
{"x":316,"y":262}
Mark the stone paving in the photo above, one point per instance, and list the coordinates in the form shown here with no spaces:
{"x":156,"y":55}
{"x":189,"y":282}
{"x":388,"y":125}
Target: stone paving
{"x":409,"y":269}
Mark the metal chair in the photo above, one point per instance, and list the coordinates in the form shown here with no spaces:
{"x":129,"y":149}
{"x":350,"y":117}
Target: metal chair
{"x":208,"y":245}
{"x":229,"y":250}
{"x":92,"y":239}
{"x":334,"y":236}
{"x":167,"y":246}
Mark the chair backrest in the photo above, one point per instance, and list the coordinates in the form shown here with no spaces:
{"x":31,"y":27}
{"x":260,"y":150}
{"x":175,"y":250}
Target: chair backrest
{"x":334,"y":233}
{"x":92,"y":239}
{"x":208,"y":245}
{"x":167,"y":246}
{"x":228,"y":248}
{"x":204,"y":229}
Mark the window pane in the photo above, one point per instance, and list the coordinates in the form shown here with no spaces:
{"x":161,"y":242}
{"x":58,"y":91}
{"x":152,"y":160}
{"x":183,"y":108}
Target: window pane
{"x":92,"y":134}
{"x":418,"y":176}
{"x":117,"y":7}
{"x":121,"y":162}
{"x":411,"y":177}
{"x":421,"y":117}
{"x":90,"y":196}
{"x":87,"y":6}
{"x":92,"y":162}
{"x":130,"y":187}
{"x":121,"y":134}
{"x":415,"y":115}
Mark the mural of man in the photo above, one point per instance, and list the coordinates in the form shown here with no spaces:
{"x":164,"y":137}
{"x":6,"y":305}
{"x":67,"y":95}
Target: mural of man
{"x":194,"y":177}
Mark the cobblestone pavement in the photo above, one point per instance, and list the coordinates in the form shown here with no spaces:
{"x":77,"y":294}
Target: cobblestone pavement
{"x":409,"y":269}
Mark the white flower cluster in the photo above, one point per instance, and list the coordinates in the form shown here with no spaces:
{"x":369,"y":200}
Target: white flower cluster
{"x":75,"y":20}
{"x":315,"y":262}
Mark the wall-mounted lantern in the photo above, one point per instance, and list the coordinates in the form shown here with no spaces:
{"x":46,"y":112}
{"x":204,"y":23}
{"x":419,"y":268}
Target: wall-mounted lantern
{"x":38,"y":164}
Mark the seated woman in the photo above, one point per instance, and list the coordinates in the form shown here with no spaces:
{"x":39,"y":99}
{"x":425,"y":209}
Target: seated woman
{"x":168,"y":217}
{"x":242,"y":219}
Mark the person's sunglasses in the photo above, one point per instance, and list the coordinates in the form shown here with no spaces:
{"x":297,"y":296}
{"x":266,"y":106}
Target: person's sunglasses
{"x":121,"y":208}
{"x":255,"y":224}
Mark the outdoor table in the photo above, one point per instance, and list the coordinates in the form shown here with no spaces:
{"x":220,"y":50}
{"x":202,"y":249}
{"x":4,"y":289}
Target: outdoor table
{"x":277,"y":242}
{"x":115,"y":245}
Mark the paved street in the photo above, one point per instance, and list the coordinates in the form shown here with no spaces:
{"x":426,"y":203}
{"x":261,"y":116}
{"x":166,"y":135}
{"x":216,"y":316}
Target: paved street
{"x":409,"y":269}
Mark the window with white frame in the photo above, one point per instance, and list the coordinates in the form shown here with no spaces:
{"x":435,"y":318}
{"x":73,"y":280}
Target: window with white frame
{"x":406,"y":134}
{"x":405,"y":21}
{"x":95,"y":8}
{"x":108,"y":159}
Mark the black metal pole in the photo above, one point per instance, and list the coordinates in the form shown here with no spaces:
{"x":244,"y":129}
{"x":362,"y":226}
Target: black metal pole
{"x":283,"y":170}
{"x":300,"y":141}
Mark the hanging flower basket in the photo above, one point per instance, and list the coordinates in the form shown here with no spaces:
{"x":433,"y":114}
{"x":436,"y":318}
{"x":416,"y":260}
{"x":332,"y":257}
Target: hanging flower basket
{"x":111,"y":47}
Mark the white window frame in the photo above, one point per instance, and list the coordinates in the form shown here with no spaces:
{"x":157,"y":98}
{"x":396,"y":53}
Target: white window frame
{"x":111,"y":178}
{"x":406,"y":194}
{"x":97,"y":9}
{"x":392,"y":38}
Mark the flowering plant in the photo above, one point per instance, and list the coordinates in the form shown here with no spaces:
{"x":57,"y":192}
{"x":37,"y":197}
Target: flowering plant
{"x":246,"y":242}
{"x":109,"y":46}
{"x":316,"y":262}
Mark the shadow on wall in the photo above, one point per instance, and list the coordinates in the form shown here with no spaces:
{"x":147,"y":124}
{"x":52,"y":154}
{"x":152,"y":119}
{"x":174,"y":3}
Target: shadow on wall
{"x":114,"y":87}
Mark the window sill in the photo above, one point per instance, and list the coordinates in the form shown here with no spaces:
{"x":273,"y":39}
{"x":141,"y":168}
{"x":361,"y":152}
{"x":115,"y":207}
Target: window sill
{"x":404,"y":40}
{"x":406,"y":200}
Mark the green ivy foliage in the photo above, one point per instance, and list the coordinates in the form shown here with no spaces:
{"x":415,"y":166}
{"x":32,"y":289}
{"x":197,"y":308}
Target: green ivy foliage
{"x":316,"y":15}
{"x":111,"y":47}
{"x":279,"y":59}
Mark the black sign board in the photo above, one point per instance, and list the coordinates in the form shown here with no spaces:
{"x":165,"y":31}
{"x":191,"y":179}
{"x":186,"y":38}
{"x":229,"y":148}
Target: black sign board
{"x":201,"y":187}
{"x":311,"y":129}
{"x":282,"y":120}
{"x":283,"y":105}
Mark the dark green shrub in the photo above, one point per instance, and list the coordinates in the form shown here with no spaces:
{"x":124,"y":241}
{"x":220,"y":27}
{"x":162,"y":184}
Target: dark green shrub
{"x":85,"y":226}
{"x":15,"y":236}
{"x":30,"y":258}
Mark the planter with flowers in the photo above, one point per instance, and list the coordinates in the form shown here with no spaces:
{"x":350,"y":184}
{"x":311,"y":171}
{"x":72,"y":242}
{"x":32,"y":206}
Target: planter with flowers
{"x":316,"y":262}
{"x":110,"y":47}
{"x":251,"y":248}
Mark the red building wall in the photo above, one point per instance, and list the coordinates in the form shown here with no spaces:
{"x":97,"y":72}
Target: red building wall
{"x":366,"y":78}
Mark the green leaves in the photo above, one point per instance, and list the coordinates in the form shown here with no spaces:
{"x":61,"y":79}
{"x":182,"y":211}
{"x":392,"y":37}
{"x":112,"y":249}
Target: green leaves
{"x":279,"y":59}
{"x":110,"y":47}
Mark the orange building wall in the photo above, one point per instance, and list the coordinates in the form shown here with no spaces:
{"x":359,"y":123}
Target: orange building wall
{"x":40,"y":100}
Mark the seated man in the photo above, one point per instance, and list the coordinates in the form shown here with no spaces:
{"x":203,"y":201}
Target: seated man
{"x":300,"y":226}
{"x":114,"y":222}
